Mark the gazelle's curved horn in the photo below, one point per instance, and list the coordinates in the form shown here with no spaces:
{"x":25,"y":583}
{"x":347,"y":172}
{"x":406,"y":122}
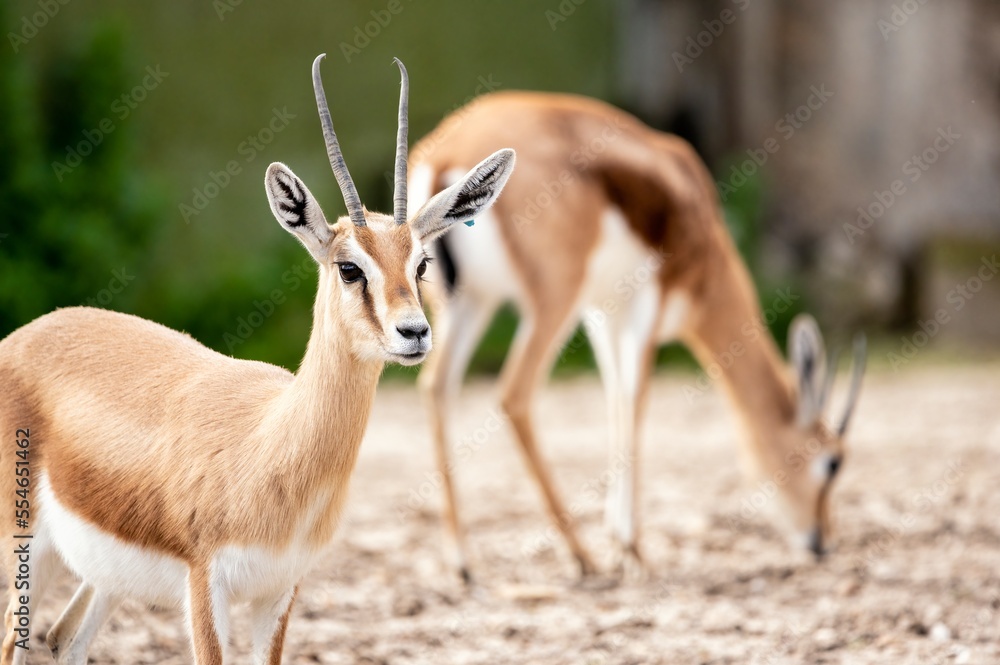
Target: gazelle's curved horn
{"x":828,"y":381}
{"x":347,"y":188}
{"x":857,"y":373}
{"x":399,"y":191}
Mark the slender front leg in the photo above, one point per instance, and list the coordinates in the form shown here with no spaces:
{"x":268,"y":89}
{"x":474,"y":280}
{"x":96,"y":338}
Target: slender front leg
{"x":270,"y":620}
{"x":459,"y":324}
{"x":70,"y":638}
{"x":208,"y":609}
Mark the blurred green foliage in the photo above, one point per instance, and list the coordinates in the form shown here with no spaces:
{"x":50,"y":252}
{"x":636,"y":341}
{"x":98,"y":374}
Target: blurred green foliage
{"x":229,"y":275}
{"x":113,"y":230}
{"x":97,"y":213}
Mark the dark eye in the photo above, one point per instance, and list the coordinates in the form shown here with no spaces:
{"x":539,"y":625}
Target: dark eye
{"x":422,"y":268}
{"x":350,"y":273}
{"x":833,"y":466}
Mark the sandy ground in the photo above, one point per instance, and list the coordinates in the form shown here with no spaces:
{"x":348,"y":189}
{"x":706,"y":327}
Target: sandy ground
{"x":915,"y":578}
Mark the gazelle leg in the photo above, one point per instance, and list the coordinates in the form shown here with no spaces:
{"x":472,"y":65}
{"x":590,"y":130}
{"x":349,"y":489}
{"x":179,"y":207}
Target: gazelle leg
{"x":603,"y":341}
{"x":538,"y":339}
{"x":208,"y":612}
{"x":70,"y":638}
{"x":64,"y":630}
{"x":624,"y":348}
{"x":269,"y":617}
{"x":459,"y":325}
{"x":42,"y":563}
{"x":623,"y":499}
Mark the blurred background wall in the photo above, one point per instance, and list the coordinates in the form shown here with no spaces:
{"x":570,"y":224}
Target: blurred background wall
{"x":134,"y":137}
{"x":909,"y":97}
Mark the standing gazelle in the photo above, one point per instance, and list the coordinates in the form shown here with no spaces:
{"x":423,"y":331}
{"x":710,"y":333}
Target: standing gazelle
{"x":616,"y":225}
{"x":166,"y":472}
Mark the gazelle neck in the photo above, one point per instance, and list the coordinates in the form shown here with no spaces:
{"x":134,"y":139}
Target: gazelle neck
{"x":730,"y":335}
{"x":325,"y":409}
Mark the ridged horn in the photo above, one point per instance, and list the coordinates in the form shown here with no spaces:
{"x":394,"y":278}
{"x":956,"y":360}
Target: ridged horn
{"x":347,"y":188}
{"x":857,"y":373}
{"x":399,"y":191}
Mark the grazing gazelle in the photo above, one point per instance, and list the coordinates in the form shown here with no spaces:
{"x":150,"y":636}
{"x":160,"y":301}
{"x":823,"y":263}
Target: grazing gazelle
{"x":619,"y":226}
{"x":165,"y":472}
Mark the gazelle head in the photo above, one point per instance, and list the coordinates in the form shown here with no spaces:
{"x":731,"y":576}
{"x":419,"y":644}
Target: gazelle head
{"x":371,"y":264}
{"x":812,"y":446}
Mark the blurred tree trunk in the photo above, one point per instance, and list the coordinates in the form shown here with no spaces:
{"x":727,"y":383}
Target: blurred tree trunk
{"x":901,"y":73}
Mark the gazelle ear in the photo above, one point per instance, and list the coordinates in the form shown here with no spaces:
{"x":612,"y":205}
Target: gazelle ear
{"x":467,"y":198}
{"x":808,"y":356}
{"x":296,"y":209}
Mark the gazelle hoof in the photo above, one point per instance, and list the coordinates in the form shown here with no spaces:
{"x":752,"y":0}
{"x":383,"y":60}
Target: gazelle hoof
{"x":466,"y":576}
{"x":629,"y":565}
{"x":586,"y":566}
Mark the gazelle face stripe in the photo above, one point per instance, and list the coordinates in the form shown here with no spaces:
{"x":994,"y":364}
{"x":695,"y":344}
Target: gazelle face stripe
{"x":388,"y":298}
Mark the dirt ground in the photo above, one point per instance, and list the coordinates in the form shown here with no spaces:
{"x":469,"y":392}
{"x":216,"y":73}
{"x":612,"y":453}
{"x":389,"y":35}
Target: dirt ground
{"x":915,"y":577}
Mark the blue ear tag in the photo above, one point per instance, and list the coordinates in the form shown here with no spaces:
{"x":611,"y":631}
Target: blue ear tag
{"x":470,"y":222}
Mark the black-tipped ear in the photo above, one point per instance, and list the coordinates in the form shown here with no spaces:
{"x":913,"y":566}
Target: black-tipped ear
{"x":808,"y":356}
{"x":467,"y":198}
{"x":296,"y":209}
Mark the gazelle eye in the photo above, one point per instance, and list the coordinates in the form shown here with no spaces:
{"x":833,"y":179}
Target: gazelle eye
{"x":350,"y":272}
{"x":422,"y":268}
{"x":833,"y":466}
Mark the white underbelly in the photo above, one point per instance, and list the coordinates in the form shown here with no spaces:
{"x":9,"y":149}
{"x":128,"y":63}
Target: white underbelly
{"x":622,"y":289}
{"x":107,"y":562}
{"x":621,"y":267}
{"x":129,"y":571}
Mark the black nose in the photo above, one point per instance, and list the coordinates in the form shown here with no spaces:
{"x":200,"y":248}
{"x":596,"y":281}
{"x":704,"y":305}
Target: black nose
{"x":417,"y":332}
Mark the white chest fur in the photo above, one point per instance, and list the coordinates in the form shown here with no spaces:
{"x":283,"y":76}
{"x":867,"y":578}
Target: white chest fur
{"x":125,"y":570}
